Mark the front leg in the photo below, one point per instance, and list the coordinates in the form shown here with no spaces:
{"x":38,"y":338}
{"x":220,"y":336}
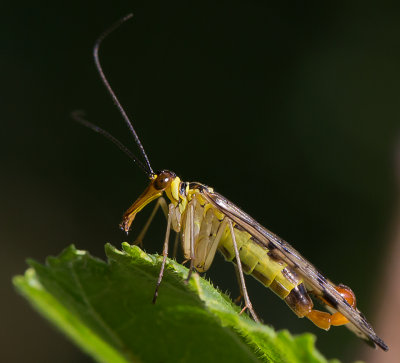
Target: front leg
{"x":165,"y":253}
{"x":160,"y":203}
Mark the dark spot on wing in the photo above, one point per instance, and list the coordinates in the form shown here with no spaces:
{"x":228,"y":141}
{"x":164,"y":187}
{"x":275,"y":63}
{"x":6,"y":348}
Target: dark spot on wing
{"x":276,"y":255}
{"x":381,"y":343}
{"x":346,"y":303}
{"x":283,"y":245}
{"x":273,"y":256}
{"x":330,"y":299}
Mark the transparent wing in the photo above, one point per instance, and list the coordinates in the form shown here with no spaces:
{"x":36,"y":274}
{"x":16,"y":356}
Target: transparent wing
{"x":313,"y":279}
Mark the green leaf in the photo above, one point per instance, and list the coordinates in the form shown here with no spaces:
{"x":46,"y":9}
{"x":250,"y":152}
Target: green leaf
{"x":106,"y":309}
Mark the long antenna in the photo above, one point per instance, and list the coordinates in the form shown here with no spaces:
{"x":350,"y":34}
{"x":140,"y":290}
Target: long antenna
{"x":79,"y":116}
{"x":111,"y":92}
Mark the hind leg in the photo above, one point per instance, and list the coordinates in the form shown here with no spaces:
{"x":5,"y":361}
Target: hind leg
{"x":242,"y":284}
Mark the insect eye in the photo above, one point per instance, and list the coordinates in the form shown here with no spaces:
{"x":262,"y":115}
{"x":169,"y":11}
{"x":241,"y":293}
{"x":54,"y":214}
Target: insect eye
{"x":164,"y":178}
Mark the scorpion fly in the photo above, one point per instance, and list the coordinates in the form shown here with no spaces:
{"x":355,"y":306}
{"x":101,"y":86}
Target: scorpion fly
{"x":207,"y":222}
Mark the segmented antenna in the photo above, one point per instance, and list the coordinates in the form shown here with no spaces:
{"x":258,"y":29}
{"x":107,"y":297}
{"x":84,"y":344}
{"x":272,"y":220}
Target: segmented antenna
{"x":96,"y":48}
{"x":79,"y":116}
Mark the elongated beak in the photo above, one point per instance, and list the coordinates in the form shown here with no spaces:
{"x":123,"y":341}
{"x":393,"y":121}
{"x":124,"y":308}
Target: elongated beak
{"x":147,"y":196}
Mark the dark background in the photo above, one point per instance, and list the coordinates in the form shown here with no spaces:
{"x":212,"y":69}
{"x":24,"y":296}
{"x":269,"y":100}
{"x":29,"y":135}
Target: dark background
{"x":289,"y":110}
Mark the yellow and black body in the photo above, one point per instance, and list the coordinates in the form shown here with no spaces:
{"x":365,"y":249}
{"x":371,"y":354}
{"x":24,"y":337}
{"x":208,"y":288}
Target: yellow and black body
{"x":201,"y":217}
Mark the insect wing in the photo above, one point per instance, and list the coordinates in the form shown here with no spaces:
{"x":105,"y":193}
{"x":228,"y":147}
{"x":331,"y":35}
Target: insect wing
{"x":312,"y":277}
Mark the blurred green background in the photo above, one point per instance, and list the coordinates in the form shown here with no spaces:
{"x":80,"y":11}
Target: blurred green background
{"x":289,"y":110}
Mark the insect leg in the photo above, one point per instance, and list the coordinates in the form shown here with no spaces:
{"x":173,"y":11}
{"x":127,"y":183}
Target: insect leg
{"x":176,"y":241}
{"x":160,"y":203}
{"x":242,"y":282}
{"x":191,"y":223}
{"x":165,"y":253}
{"x":240,"y":297}
{"x":207,"y":240}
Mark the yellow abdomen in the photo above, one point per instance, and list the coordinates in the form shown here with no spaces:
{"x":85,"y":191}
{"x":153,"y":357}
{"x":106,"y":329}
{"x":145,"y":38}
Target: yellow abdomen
{"x":256,"y":261}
